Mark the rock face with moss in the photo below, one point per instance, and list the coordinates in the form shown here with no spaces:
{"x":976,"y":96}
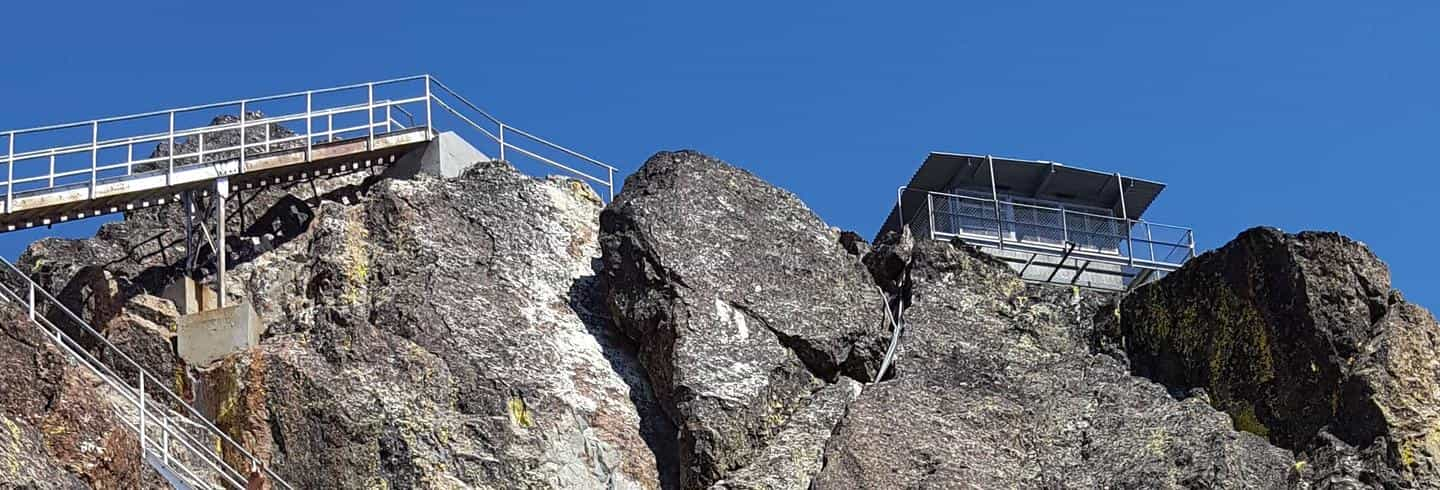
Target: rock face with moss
{"x":995,"y":386}
{"x":744,"y":305}
{"x":1301,"y":339}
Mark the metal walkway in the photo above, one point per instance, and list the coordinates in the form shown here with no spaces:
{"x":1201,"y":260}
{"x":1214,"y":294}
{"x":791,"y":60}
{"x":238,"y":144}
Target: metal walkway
{"x":79,"y":170}
{"x":65,"y":172}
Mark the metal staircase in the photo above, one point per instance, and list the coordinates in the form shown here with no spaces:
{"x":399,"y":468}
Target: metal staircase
{"x":175,"y":439}
{"x":82,"y":170}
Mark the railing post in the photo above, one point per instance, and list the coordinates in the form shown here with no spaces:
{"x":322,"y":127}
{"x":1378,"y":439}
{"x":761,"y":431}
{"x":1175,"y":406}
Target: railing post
{"x":50,"y":181}
{"x":1150,"y":239}
{"x":370,"y":115}
{"x":94,"y":155}
{"x":30,"y":299}
{"x":900,"y":209}
{"x":1064,"y":226}
{"x":930,"y":213}
{"x":329,"y":127}
{"x":243,"y":139}
{"x":995,"y":196}
{"x":429,"y":121}
{"x":10,"y":173}
{"x":1125,"y":218}
{"x":129,"y":157}
{"x":142,"y":413}
{"x":1191,"y":234}
{"x":309,"y":130}
{"x":610,"y":175}
{"x":165,"y":439}
{"x":388,"y":116}
{"x":170,"y":160}
{"x":502,"y":142}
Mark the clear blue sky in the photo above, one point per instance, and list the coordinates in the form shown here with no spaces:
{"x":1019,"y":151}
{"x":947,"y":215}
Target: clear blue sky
{"x":1297,"y":114}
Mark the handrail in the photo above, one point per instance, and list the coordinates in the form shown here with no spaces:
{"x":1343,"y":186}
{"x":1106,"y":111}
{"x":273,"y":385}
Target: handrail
{"x":135,"y":395}
{"x":107,"y":167}
{"x":1067,"y":211}
{"x":249,"y":123}
{"x":1133,"y":242}
{"x":498,"y":136}
{"x":895,"y":317}
{"x":129,"y":117}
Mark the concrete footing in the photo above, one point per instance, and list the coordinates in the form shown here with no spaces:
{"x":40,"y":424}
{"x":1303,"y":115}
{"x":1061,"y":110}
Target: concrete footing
{"x":204,"y":331}
{"x":208,"y":336}
{"x":190,"y":297}
{"x":447,"y":156}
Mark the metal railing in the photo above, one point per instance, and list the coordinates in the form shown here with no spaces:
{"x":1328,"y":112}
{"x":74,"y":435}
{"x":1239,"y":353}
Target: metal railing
{"x":169,"y":430}
{"x":529,"y":145}
{"x":86,"y":154}
{"x":1001,"y":223}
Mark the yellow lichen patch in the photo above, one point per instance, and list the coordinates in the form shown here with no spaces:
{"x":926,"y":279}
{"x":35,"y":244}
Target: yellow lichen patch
{"x":11,"y":465}
{"x":1245,"y":419}
{"x":1159,"y":440}
{"x":358,"y":257}
{"x":519,"y":413}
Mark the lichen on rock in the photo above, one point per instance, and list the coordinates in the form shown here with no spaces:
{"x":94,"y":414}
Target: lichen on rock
{"x":1301,"y":340}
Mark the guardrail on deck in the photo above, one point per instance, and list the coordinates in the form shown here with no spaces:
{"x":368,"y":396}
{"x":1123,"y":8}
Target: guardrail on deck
{"x":999,"y":223}
{"x":84,"y":154}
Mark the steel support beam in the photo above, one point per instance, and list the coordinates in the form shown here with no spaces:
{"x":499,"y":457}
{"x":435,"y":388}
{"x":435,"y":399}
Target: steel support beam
{"x":1084,"y":266}
{"x":222,"y":191}
{"x":1029,"y":261}
{"x":187,"y":203}
{"x":1069,"y":247}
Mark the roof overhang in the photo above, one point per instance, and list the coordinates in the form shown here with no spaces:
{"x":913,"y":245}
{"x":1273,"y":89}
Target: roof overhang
{"x":1037,"y":179}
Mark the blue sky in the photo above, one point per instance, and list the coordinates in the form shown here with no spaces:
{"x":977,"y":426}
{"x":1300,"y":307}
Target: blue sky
{"x":1301,"y":115}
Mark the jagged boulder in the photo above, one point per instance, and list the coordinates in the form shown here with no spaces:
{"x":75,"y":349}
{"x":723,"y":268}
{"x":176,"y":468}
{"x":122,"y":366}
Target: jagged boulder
{"x":743,"y":304}
{"x":1302,"y":340}
{"x":996,"y":387}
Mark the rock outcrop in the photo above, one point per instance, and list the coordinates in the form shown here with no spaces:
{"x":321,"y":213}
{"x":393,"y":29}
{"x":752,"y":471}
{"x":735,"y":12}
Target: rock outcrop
{"x":744,"y":305}
{"x":421,"y":333}
{"x":707,"y":330}
{"x":995,"y":387}
{"x":435,"y":339}
{"x":57,"y":430}
{"x":1301,"y":339}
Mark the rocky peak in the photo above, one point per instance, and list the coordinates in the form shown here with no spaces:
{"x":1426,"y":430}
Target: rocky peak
{"x":744,"y":304}
{"x":708,"y":330}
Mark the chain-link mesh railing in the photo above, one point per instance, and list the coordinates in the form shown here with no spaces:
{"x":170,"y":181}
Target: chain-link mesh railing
{"x":1003,"y":223}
